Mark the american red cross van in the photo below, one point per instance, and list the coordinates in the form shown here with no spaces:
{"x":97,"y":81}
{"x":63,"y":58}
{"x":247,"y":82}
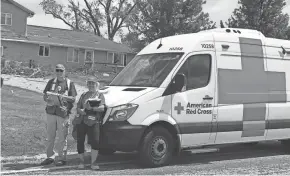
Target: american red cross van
{"x":210,"y":88}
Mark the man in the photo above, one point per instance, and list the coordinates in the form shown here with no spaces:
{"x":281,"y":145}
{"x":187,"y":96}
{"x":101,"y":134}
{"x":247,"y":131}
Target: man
{"x":58,"y":119}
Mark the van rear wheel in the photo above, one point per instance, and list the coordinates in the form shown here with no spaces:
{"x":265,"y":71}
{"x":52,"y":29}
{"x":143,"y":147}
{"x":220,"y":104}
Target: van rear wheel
{"x":157,"y":147}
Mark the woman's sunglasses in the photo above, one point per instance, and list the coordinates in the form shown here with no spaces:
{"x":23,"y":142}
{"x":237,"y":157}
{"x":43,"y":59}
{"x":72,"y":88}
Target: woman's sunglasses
{"x":58,"y":70}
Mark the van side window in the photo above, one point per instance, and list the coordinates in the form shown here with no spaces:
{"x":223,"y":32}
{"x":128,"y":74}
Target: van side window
{"x":197,"y":69}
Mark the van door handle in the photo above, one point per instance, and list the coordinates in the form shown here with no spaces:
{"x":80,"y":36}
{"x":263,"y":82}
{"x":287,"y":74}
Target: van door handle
{"x":207,"y":97}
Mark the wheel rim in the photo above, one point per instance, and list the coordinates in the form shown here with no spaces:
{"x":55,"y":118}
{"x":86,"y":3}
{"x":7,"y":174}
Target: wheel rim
{"x":158,"y":148}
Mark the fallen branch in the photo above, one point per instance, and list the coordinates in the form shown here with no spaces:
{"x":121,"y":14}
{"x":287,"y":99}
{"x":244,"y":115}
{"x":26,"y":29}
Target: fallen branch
{"x":38,"y":70}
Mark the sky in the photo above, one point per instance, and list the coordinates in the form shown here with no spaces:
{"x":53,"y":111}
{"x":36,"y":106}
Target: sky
{"x":217,"y":9}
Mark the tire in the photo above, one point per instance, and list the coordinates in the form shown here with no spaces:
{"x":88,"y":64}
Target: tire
{"x":286,"y":145}
{"x":106,"y":151}
{"x":156,"y":148}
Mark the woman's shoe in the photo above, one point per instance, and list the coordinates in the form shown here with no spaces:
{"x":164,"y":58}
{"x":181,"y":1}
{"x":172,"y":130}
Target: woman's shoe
{"x":81,"y":165}
{"x":82,"y":161}
{"x":60,"y":163}
{"x":95,"y":167}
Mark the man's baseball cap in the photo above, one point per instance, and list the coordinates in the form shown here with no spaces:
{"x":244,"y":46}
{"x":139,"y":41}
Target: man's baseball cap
{"x":59,"y":67}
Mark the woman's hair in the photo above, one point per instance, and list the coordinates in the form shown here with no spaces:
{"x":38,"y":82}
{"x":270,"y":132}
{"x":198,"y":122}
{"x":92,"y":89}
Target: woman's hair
{"x":98,"y":84}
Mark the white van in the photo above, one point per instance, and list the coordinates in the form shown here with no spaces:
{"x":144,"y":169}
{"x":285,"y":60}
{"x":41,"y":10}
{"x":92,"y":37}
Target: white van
{"x":219,"y":86}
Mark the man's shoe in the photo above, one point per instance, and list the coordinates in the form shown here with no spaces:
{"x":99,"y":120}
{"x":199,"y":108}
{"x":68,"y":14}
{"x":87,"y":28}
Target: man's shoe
{"x":47,"y":161}
{"x":60,"y":163}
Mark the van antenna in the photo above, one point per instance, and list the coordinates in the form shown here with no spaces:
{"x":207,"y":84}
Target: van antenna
{"x":159,"y":46}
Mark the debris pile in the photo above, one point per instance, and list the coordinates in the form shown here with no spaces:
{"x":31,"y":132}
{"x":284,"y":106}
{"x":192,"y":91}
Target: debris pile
{"x":32,"y":70}
{"x":24,"y":69}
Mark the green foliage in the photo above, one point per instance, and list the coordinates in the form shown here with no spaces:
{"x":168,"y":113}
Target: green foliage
{"x":111,"y":14}
{"x":262,"y":15}
{"x":71,"y":14}
{"x":131,"y":39}
{"x":288,"y":33}
{"x":153,"y":19}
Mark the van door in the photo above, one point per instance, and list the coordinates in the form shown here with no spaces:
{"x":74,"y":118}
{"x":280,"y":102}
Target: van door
{"x":192,"y":107}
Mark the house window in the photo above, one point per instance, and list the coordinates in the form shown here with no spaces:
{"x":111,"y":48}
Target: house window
{"x":117,"y":58}
{"x":120,"y":59}
{"x":110,"y":58}
{"x":76,"y":55}
{"x":73,"y":55}
{"x":89,"y":56}
{"x":124,"y":59}
{"x":6,"y":19}
{"x":44,"y":50}
{"x":2,"y":52}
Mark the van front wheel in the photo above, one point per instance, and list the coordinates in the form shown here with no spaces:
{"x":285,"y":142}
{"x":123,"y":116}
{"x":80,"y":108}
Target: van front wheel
{"x":157,"y":147}
{"x":286,"y":145}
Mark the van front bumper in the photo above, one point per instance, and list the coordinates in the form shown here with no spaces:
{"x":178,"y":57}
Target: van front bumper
{"x":122,"y":136}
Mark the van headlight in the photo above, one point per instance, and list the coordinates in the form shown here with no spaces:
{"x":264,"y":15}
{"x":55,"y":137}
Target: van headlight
{"x":123,"y":112}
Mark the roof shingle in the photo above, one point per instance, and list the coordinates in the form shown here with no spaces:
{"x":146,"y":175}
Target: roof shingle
{"x":65,"y":37}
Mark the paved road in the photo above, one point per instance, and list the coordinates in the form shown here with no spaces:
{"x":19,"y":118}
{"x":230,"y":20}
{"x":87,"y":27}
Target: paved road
{"x":266,"y":158}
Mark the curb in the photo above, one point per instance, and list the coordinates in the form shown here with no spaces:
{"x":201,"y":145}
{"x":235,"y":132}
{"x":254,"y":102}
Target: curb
{"x":61,"y":167}
{"x":71,"y":155}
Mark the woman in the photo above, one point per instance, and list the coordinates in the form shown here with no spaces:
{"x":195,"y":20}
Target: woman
{"x":88,"y":121}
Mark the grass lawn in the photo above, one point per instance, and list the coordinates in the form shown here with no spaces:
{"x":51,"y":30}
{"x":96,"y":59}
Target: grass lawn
{"x":23,"y":127}
{"x":23,"y":120}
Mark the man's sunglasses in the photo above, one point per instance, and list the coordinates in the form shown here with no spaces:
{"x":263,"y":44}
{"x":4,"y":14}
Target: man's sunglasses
{"x":58,"y":70}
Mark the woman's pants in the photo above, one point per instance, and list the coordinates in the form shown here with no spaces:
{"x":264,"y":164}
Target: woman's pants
{"x":93,"y":133}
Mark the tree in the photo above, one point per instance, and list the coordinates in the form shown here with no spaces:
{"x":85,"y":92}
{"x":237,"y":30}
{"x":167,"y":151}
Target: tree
{"x":93,"y":16}
{"x":262,"y":15}
{"x":131,"y":39}
{"x":222,"y":24}
{"x":116,"y":14}
{"x":153,"y":19}
{"x":288,"y":33}
{"x":69,"y":14}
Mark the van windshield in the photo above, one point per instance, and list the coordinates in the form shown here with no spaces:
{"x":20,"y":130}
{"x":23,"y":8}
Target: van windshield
{"x":148,"y":70}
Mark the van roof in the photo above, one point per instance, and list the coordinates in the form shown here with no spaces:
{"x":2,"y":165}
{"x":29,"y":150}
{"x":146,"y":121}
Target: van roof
{"x":192,"y":41}
{"x":235,"y":31}
{"x":177,"y":43}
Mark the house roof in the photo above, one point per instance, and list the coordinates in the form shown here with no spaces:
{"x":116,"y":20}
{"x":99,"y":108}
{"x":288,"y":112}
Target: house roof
{"x":21,"y":7}
{"x":66,"y":38}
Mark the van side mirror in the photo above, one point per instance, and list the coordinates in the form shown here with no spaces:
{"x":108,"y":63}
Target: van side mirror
{"x":179,"y":82}
{"x":176,"y":85}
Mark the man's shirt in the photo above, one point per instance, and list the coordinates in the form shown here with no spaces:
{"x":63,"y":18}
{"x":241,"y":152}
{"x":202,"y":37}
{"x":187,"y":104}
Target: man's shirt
{"x":63,"y":87}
